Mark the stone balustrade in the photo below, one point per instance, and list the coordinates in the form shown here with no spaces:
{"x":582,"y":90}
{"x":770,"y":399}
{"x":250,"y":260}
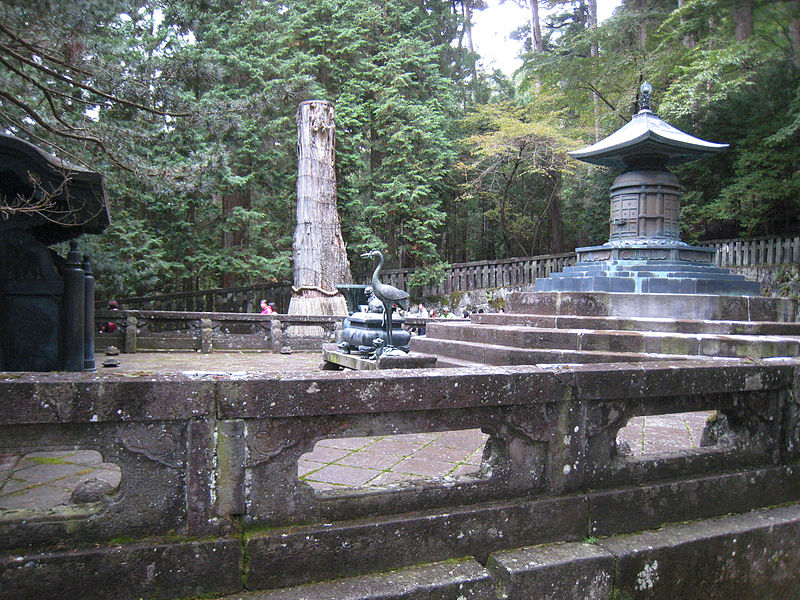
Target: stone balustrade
{"x":210,"y":500}
{"x":207,"y":331}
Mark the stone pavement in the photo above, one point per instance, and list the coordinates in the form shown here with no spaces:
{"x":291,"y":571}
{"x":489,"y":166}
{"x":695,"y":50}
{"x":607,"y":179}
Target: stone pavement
{"x":42,"y":480}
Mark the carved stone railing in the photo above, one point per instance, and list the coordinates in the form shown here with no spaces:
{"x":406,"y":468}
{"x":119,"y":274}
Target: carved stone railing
{"x":138,"y":330}
{"x":210,"y":497}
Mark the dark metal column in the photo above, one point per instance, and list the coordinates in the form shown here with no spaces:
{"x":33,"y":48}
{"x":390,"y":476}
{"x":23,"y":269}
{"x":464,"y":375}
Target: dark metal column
{"x":88,"y":321}
{"x":74,"y":310}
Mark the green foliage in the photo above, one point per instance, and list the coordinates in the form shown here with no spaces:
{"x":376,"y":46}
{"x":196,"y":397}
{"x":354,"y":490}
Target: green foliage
{"x":128,"y":260}
{"x":188,"y":109}
{"x":513,"y":163}
{"x":709,"y":80}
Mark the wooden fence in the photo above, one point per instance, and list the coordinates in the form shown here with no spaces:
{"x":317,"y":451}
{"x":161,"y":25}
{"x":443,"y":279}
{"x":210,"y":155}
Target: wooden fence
{"x":465,"y":277}
{"x":468,"y":276}
{"x":460,"y":277}
{"x":756,"y":252}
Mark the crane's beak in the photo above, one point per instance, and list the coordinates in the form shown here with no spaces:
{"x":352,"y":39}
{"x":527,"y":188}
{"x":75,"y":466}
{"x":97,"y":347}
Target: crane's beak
{"x":366,"y":255}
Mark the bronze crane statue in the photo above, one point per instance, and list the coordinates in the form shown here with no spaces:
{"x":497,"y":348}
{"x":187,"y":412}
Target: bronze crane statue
{"x":387,"y":294}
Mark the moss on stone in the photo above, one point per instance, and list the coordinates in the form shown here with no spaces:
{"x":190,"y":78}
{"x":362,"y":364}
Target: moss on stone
{"x":498,"y":303}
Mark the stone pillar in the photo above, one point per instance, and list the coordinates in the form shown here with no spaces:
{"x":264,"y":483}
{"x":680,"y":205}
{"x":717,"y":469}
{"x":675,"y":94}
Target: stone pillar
{"x":74,"y":311}
{"x":337,"y":331}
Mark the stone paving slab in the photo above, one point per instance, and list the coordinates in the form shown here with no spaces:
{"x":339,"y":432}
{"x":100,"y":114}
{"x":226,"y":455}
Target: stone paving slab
{"x":46,"y":479}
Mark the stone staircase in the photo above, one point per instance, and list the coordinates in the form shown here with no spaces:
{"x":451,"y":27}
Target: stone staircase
{"x":566,"y":327}
{"x":675,"y":561}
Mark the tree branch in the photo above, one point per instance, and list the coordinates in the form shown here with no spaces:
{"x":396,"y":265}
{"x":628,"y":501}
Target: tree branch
{"x":594,"y":90}
{"x":36,"y":117}
{"x":89,"y":88}
{"x":41,"y":52}
{"x":47,"y":94}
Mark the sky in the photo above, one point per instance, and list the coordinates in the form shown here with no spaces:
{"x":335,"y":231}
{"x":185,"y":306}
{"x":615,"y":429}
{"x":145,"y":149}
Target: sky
{"x":493,"y":26}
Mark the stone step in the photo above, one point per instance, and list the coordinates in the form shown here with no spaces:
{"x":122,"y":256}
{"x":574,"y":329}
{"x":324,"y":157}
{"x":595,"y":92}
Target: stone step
{"x":749,"y":557}
{"x":733,"y":308}
{"x":454,"y":353}
{"x":459,"y":579}
{"x":693,"y":344}
{"x":444,"y":361}
{"x":761,"y":563}
{"x":641,"y":324}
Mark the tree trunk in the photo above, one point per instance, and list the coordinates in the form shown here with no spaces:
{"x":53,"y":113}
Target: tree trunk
{"x":690,"y":39}
{"x":235,"y":238}
{"x":595,"y":53}
{"x":466,"y":6}
{"x":537,"y":45}
{"x":794,"y":30}
{"x":320,"y":258}
{"x":555,"y":217}
{"x":639,"y":8}
{"x":743,"y":19}
{"x":466,"y":11}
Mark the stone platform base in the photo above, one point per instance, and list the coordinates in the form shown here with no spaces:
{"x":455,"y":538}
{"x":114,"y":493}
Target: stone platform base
{"x":335,"y":360}
{"x":648,"y":277}
{"x":674,"y":306}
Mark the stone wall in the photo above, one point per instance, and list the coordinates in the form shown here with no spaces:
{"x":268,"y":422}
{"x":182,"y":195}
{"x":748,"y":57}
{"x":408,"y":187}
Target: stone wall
{"x":210,"y":501}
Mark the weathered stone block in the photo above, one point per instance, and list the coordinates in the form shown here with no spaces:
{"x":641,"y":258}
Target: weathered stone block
{"x":292,"y":556}
{"x":554,"y":572}
{"x":750,"y":556}
{"x":125,"y":572}
{"x":462,"y":579}
{"x":90,"y":398}
{"x":650,"y":505}
{"x":384,"y":391}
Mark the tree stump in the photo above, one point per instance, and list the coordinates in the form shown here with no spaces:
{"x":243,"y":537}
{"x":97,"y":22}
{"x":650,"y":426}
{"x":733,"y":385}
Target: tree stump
{"x":320,"y":257}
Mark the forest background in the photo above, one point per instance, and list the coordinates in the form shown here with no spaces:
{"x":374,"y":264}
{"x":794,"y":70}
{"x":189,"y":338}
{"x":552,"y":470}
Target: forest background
{"x":188,"y":109}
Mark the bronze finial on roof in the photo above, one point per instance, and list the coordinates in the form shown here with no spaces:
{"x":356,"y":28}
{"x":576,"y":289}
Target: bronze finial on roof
{"x":646,"y":141}
{"x":644,"y":98}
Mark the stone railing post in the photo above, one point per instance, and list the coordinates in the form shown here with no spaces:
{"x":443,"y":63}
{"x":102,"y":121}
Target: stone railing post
{"x":205,"y":336}
{"x":131,"y":325}
{"x":230,"y":476}
{"x":276,"y":335}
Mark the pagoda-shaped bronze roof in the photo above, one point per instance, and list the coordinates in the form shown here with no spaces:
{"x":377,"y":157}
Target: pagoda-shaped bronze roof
{"x":646,"y":140}
{"x":77,"y":198}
